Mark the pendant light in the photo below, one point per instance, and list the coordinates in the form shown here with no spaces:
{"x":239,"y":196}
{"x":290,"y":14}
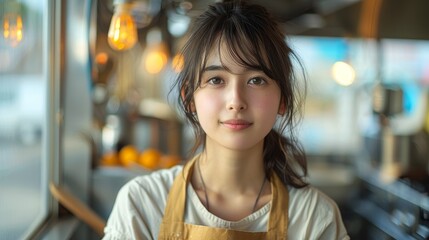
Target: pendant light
{"x":122,"y":33}
{"x":12,"y":24}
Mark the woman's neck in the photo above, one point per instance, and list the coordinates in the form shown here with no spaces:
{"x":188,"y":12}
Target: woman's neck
{"x":231,"y":170}
{"x":231,"y":184}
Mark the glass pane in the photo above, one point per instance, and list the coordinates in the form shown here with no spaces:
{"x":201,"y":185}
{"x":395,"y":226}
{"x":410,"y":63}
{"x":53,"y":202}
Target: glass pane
{"x":23,"y":122}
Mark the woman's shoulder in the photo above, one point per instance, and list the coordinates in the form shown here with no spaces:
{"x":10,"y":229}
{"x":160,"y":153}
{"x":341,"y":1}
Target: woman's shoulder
{"x":310,"y":207}
{"x":149,"y":188}
{"x":160,"y":180}
{"x":144,"y":195}
{"x":139,"y":205}
{"x":312,"y":203}
{"x":310,"y":196}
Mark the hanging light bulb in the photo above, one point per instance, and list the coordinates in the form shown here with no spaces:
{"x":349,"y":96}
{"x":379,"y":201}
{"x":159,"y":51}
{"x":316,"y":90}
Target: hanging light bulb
{"x":122,"y":31}
{"x":156,"y":59}
{"x":343,"y":73}
{"x":155,"y":56}
{"x":12,"y":24}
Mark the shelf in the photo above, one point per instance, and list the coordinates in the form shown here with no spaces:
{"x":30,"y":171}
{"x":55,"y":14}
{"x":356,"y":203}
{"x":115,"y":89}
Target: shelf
{"x":396,"y":188}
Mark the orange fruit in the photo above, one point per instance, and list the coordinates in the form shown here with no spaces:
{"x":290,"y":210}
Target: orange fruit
{"x":168,"y":161}
{"x":110,"y":159}
{"x":128,"y":155}
{"x":150,"y":158}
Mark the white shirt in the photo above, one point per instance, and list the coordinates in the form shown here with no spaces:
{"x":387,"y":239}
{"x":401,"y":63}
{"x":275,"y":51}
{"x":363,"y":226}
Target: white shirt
{"x":139,"y":209}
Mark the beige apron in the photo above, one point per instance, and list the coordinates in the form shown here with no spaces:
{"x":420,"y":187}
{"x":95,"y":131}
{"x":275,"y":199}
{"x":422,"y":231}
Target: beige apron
{"x":173,"y":226}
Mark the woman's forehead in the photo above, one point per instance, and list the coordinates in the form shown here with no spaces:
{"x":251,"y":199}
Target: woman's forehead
{"x":224,"y":54}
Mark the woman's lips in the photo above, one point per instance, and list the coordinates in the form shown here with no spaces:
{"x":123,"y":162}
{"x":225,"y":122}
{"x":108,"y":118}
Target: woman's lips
{"x":236,"y":124}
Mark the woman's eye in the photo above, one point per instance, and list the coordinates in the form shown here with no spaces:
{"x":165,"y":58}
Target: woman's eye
{"x":215,"y":81}
{"x":257,"y":81}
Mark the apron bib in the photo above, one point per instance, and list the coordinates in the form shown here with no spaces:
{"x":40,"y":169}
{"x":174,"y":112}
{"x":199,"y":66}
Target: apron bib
{"x":173,"y":226}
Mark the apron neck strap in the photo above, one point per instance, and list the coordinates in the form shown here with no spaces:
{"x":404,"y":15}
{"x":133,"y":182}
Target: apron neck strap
{"x":176,"y":204}
{"x":176,"y":201}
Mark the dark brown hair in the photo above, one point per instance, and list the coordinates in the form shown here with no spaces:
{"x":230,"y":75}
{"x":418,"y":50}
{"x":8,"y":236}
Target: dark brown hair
{"x":254,"y":40}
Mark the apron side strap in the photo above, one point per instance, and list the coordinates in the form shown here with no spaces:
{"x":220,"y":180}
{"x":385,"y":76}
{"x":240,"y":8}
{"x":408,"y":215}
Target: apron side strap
{"x":279,"y":213}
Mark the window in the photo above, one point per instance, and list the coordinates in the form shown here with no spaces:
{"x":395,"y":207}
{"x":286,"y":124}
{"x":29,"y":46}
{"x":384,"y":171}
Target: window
{"x":24,"y":125}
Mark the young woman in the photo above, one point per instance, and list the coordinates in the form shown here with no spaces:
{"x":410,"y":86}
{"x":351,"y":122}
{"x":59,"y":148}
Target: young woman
{"x":238,"y":91}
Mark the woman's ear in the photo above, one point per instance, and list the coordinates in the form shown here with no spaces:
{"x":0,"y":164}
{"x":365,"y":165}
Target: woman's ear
{"x":282,"y":108}
{"x":191,"y":106}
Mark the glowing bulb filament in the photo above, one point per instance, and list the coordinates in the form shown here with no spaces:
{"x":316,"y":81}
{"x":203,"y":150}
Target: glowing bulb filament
{"x":122,"y":32}
{"x":13,"y":29}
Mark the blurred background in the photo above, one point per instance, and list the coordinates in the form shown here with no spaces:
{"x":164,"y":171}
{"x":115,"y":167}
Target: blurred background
{"x":85,"y":105}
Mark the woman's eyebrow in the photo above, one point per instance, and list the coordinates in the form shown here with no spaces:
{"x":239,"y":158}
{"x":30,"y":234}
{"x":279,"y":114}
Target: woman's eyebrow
{"x":223,"y":68}
{"x":214,"y":68}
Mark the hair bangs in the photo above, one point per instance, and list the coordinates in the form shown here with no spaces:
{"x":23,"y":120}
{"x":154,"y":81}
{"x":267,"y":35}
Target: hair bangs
{"x":244,"y":47}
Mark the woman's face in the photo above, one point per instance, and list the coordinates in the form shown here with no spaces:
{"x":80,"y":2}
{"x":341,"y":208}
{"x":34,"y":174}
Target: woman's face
{"x":236,"y":106}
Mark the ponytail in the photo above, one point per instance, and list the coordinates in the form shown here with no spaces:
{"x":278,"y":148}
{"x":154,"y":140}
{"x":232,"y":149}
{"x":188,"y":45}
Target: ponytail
{"x":285,"y":157}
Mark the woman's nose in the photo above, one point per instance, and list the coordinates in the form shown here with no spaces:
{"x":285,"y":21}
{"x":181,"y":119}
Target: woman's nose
{"x":236,"y":98}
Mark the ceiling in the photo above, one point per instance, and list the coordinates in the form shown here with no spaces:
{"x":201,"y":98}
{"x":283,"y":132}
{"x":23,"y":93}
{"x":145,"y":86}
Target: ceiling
{"x":402,"y":19}
{"x":398,"y":19}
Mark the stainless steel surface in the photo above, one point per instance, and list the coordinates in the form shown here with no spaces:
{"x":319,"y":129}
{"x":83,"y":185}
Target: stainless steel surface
{"x":393,"y":210}
{"x":76,"y":105}
{"x":388,"y":100}
{"x":397,"y":189}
